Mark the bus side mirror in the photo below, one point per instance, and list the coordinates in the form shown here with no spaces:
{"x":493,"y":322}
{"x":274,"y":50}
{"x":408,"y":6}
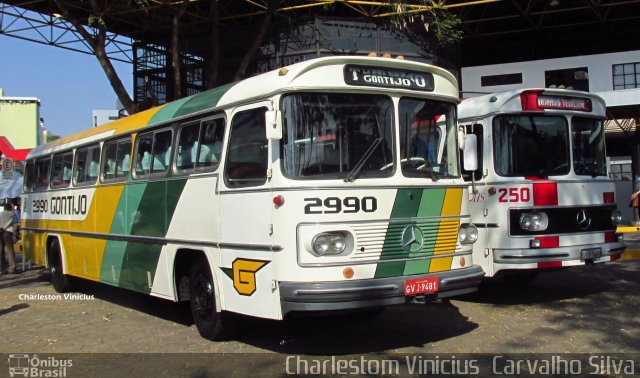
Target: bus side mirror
{"x":274,"y":127}
{"x":470,"y":155}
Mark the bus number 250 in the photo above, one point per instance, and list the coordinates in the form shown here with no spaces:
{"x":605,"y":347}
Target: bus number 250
{"x":334,"y":205}
{"x":514,"y":195}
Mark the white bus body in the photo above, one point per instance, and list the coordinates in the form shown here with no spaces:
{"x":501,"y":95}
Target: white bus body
{"x":541,"y":196}
{"x":299,"y":189}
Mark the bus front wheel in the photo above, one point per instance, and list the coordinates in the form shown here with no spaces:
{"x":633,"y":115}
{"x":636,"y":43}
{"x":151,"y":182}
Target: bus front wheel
{"x":60,"y":281}
{"x":211,"y":324}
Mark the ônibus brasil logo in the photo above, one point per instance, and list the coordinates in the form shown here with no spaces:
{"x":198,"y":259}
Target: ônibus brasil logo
{"x":25,"y":365}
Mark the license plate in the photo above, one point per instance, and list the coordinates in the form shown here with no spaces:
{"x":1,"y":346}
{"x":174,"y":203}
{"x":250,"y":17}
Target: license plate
{"x":421,"y":286}
{"x":590,"y":253}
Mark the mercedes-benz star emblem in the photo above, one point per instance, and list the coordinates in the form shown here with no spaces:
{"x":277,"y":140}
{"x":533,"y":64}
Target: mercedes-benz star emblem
{"x":583,"y":219}
{"x":412,"y":239}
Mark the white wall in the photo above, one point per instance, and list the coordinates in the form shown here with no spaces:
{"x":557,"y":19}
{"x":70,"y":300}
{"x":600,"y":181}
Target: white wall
{"x":599,"y":67}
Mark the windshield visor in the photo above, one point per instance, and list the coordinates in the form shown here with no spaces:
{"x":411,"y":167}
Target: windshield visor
{"x":588,"y":147}
{"x":527,"y":145}
{"x":428,"y":145}
{"x":337,"y":135}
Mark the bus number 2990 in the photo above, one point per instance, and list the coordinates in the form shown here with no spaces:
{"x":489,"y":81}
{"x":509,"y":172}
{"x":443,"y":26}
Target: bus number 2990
{"x":334,"y":205}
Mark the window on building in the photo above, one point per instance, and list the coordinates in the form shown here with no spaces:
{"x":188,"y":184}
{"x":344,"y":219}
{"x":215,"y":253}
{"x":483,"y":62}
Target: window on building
{"x":570,"y":78}
{"x":626,"y":76}
{"x":620,"y":171}
{"x":506,"y":79}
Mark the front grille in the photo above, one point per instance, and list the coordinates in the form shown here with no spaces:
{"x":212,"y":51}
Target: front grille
{"x":564,"y":220}
{"x":384,"y":240}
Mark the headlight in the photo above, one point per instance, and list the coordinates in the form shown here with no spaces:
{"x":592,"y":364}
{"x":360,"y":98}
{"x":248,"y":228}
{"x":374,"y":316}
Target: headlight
{"x":534,"y":221}
{"x":329,"y":243}
{"x":467,"y":234}
{"x":616,"y":217}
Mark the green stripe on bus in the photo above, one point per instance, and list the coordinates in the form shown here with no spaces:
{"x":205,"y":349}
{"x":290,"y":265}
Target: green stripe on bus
{"x":202,"y":101}
{"x":431,"y":204}
{"x":114,"y":252}
{"x":167,"y":111}
{"x":152,"y":218}
{"x":409,"y":203}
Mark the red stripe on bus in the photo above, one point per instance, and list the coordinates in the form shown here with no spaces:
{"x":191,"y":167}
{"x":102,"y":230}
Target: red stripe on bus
{"x":609,"y":197}
{"x":549,"y":241}
{"x":615,"y":257}
{"x":545,"y":194}
{"x":609,"y":237}
{"x":549,"y":264}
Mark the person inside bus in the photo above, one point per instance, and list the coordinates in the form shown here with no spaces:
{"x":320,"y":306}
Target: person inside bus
{"x":6,"y":240}
{"x":211,"y":147}
{"x":426,"y":143}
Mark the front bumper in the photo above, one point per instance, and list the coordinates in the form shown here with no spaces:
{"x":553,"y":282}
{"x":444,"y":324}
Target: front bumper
{"x":375,"y":292}
{"x":571,"y":253}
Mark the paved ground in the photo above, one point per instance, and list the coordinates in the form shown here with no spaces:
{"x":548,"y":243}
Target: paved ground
{"x":592,"y":309}
{"x":587,"y":309}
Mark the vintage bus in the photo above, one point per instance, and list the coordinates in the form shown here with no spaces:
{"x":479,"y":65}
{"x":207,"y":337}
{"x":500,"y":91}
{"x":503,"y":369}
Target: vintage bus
{"x":540,"y":195}
{"x":298,"y":190}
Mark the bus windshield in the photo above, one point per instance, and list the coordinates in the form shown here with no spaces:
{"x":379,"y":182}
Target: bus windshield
{"x":588,"y":147}
{"x":527,"y":145}
{"x":337,"y":135}
{"x":428,"y":142}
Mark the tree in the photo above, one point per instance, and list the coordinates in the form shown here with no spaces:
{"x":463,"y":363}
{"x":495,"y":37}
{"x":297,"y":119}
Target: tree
{"x":97,"y":41}
{"x":272,"y":5}
{"x":431,"y":23}
{"x":175,"y":50}
{"x":214,"y":58}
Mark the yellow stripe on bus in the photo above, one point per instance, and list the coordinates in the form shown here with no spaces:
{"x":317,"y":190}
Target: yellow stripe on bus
{"x":448,"y":230}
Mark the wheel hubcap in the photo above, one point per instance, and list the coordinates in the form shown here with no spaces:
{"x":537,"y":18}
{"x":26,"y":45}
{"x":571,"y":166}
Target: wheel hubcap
{"x":203,"y":295}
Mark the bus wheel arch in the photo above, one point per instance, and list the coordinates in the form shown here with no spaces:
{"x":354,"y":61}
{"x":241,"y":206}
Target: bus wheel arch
{"x":55,"y":261}
{"x":203,"y":294}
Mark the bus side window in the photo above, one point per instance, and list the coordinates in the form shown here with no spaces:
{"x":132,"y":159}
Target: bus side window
{"x":246,"y":163}
{"x":117,"y":158}
{"x":42,"y":173}
{"x":187,"y":146}
{"x":87,"y":168}
{"x":143,"y":154}
{"x":61,"y":174}
{"x":29,"y":171}
{"x":162,"y":151}
{"x":211,"y":138}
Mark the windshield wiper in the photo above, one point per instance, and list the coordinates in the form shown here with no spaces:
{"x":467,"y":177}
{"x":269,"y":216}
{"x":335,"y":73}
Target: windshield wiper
{"x":355,"y":172}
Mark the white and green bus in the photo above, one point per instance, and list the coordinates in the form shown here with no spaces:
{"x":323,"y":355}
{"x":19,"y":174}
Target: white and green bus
{"x":304,"y":189}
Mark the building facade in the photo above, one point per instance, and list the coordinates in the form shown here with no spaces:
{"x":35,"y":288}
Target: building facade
{"x":20,"y":121}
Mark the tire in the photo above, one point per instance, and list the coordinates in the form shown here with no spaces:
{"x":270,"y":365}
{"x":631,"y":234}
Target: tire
{"x":60,"y":281}
{"x":211,"y":324}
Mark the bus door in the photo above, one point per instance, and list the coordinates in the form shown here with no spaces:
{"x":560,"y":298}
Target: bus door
{"x":246,"y":205}
{"x":481,"y":215}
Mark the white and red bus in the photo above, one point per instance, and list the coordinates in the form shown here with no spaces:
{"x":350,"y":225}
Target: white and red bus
{"x":540,"y":196}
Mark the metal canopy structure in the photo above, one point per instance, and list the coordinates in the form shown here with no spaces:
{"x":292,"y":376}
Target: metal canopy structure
{"x":494,"y":30}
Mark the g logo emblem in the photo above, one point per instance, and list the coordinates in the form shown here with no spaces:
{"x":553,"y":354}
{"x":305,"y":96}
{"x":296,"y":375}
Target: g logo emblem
{"x":244,"y":275}
{"x":412,"y":239}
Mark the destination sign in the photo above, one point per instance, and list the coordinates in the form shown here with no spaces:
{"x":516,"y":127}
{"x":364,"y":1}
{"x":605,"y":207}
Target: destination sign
{"x":565,"y":103}
{"x":388,"y":78}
